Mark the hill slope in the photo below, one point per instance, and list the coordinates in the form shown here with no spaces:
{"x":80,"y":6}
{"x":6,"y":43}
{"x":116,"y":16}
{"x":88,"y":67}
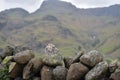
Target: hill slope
{"x":64,"y":25}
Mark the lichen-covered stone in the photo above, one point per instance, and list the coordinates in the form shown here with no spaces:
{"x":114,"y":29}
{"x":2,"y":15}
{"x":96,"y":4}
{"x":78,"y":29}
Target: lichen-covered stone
{"x":113,"y":66}
{"x":91,"y":58}
{"x":51,"y":49}
{"x":98,"y":72}
{"x":53,"y":60}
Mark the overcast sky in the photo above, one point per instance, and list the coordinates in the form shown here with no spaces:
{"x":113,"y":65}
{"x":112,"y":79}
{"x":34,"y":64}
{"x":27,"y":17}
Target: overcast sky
{"x":32,"y":5}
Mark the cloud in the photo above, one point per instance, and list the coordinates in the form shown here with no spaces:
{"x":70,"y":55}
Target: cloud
{"x":93,"y":3}
{"x":27,"y":2}
{"x":29,"y":5}
{"x":32,"y":5}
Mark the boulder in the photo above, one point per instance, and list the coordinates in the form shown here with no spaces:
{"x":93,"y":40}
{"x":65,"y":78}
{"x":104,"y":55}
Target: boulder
{"x":15,"y":70}
{"x":33,"y":67}
{"x":60,"y":73}
{"x":47,"y":73}
{"x":53,"y":60}
{"x":91,"y":58}
{"x":115,"y":75}
{"x":23,"y":57}
{"x":98,"y":72}
{"x":76,"y":71}
{"x":8,"y":51}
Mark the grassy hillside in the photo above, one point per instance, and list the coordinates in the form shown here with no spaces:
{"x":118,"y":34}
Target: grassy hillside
{"x":63,"y":25}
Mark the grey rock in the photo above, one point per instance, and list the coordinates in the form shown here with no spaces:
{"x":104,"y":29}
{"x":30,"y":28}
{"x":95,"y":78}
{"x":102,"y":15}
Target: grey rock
{"x":60,"y":73}
{"x":76,"y":71}
{"x":98,"y":72}
{"x":23,"y":57}
{"x":91,"y":58}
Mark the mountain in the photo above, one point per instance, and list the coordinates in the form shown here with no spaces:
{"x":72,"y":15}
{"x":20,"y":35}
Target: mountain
{"x":64,"y":25}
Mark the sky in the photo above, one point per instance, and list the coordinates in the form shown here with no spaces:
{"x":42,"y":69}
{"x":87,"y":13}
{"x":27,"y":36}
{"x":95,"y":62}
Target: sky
{"x":32,"y":5}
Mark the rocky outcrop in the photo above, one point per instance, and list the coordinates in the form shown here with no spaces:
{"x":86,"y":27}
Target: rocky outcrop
{"x":24,"y":65}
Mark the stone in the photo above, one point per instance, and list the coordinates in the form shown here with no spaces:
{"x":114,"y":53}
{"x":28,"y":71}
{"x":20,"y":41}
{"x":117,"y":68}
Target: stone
{"x":76,"y":71}
{"x":115,"y":75}
{"x":18,"y":49}
{"x":68,"y":62}
{"x":15,"y":70}
{"x":2,"y":66}
{"x":51,"y":49}
{"x":91,"y":58}
{"x":33,"y":67}
{"x":36,"y":78}
{"x":8,"y":51}
{"x":47,"y":73}
{"x":53,"y":60}
{"x":113,"y":66}
{"x":118,"y":64}
{"x":0,"y":60}
{"x":60,"y":73}
{"x":23,"y":57}
{"x":18,"y":78}
{"x":77,"y":57}
{"x":98,"y":72}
